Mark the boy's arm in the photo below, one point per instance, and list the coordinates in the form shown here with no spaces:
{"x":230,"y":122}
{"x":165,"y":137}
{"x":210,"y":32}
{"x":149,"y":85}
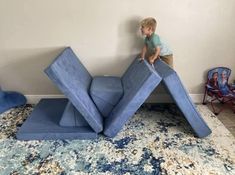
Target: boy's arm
{"x":155,"y":55}
{"x":143,"y":52}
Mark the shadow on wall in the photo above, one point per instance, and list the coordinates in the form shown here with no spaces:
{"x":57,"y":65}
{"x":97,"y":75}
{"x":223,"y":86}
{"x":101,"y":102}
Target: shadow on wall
{"x":129,"y":45}
{"x":23,"y":70}
{"x":201,"y":86}
{"x":130,"y":39}
{"x":160,"y":95}
{"x":113,"y":66}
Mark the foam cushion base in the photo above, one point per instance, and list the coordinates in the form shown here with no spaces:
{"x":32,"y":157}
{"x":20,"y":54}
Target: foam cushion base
{"x":43,"y":123}
{"x":177,"y":91}
{"x":106,"y":92}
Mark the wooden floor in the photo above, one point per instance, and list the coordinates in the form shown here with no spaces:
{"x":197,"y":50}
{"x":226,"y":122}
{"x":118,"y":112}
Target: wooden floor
{"x":227,"y":117}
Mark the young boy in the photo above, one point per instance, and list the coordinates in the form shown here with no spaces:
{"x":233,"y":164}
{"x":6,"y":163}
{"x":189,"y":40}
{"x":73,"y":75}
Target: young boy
{"x":154,"y":48}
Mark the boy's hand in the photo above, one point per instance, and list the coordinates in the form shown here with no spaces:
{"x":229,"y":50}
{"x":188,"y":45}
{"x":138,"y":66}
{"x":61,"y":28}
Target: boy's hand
{"x":141,"y":59}
{"x":151,"y":60}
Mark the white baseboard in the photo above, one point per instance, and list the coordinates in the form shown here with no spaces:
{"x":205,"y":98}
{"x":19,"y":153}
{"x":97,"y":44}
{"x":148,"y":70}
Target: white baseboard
{"x":34,"y":99}
{"x":154,"y":98}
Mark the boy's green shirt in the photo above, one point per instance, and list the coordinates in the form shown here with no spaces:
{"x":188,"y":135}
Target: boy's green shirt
{"x":154,"y":41}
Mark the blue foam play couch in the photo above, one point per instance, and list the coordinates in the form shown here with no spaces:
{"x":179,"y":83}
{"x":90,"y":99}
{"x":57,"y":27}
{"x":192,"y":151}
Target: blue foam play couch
{"x":101,"y":104}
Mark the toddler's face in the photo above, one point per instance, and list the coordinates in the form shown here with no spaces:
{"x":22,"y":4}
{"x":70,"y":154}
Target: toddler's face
{"x":224,"y":74}
{"x":145,"y":30}
{"x":215,"y":75}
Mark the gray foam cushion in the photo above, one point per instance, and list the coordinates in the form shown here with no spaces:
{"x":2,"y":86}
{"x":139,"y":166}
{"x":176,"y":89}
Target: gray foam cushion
{"x":72,"y":78}
{"x":71,"y":117}
{"x":178,"y":92}
{"x":106,"y":92}
{"x":139,"y":80}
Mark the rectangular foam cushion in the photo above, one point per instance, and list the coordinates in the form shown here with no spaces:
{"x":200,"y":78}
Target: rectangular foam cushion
{"x":108,"y":88}
{"x":72,"y":78}
{"x":106,"y":92}
{"x":43,"y":123}
{"x":178,"y":92}
{"x":71,"y":117}
{"x":138,"y":82}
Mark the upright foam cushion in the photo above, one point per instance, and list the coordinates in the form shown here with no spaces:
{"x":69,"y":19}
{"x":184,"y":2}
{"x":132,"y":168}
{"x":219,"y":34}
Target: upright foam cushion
{"x":72,"y":78}
{"x":106,"y":91}
{"x":182,"y":99}
{"x":138,"y":82}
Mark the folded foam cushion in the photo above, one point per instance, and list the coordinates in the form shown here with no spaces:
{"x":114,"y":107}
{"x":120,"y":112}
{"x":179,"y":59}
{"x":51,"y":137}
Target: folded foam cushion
{"x":179,"y":94}
{"x":43,"y":123}
{"x":138,"y":82}
{"x":106,"y":91}
{"x":72,"y":78}
{"x":71,"y":117}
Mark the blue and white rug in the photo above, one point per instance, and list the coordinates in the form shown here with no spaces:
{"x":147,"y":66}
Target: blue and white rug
{"x":156,"y":141}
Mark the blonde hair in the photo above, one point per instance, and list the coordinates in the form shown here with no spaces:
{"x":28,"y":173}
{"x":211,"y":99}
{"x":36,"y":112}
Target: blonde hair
{"x":149,"y":22}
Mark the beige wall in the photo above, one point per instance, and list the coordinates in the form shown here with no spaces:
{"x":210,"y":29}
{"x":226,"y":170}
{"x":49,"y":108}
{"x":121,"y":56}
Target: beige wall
{"x":104,"y":34}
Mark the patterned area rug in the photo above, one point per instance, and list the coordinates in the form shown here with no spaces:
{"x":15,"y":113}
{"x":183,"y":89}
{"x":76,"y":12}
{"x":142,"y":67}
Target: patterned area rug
{"x":156,"y":140}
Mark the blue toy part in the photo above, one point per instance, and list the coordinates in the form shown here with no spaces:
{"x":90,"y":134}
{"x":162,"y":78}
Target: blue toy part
{"x":139,"y":80}
{"x":106,"y":92}
{"x":71,"y":117}
{"x":43,"y":123}
{"x":72,"y":78}
{"x":10,"y":100}
{"x":90,"y":99}
{"x":179,"y":94}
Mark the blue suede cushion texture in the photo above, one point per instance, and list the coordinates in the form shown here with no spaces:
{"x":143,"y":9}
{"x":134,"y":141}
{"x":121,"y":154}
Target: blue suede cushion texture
{"x":43,"y":124}
{"x":178,"y":92}
{"x":72,"y":78}
{"x":10,"y":100}
{"x":117,"y":99}
{"x":139,"y":80}
{"x":71,"y":117}
{"x":106,"y":92}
